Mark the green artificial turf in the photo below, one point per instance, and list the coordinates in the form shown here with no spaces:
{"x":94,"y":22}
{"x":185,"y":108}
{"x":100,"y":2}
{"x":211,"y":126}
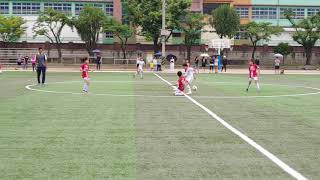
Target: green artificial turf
{"x":60,"y":133}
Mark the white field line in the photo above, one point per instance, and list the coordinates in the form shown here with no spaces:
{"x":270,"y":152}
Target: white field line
{"x":244,"y":137}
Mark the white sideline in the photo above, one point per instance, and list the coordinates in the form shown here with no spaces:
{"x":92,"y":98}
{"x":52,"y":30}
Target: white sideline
{"x":265,"y":152}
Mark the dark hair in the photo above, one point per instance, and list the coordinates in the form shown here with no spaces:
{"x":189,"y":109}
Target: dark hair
{"x":40,"y":48}
{"x":185,"y":65}
{"x":252,"y":60}
{"x":84,"y":59}
{"x":179,"y":73}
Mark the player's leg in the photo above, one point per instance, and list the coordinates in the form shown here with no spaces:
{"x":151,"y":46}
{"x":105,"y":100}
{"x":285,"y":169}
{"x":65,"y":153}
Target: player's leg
{"x":141,"y":73}
{"x":256,"y":80}
{"x":189,"y":91}
{"x":249,"y":84}
{"x":38,"y":74}
{"x":178,"y":93}
{"x":44,"y":69}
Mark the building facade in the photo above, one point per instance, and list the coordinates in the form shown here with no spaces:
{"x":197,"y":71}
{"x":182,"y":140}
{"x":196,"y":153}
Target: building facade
{"x":249,"y":10}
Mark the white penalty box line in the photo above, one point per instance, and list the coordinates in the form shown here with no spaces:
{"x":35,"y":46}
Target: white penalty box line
{"x":244,"y":137}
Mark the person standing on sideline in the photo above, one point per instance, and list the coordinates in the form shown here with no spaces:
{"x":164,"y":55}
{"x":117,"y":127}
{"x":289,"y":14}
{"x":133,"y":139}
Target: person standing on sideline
{"x":98,"y":62}
{"x":211,"y":65}
{"x":277,"y":65}
{"x":33,"y":62}
{"x":41,"y":61}
{"x":196,"y":64}
{"x":224,"y":64}
{"x":216,"y":64}
{"x":25,"y":63}
{"x":172,"y":64}
{"x":253,"y":74}
{"x":203,"y":63}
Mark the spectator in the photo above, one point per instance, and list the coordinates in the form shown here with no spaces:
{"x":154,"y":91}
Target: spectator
{"x":196,"y":64}
{"x":19,"y":62}
{"x":33,"y":61}
{"x":211,"y":65}
{"x":224,"y":64}
{"x":216,"y":64}
{"x":277,"y":65}
{"x":204,"y":63}
{"x":98,"y":62}
{"x":25,"y":62}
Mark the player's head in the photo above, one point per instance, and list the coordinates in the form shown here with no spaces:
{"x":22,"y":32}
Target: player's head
{"x":185,"y":66}
{"x":179,"y":73}
{"x":85,"y":60}
{"x":40,"y":50}
{"x":251,"y":61}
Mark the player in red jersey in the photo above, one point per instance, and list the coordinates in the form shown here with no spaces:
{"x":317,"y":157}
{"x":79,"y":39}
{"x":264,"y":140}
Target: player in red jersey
{"x":182,"y":82}
{"x":84,"y":68}
{"x":253,"y":74}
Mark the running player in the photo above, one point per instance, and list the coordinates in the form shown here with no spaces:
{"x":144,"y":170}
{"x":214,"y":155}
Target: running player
{"x":189,"y":75}
{"x":140,"y":65}
{"x":180,"y":85}
{"x":253,"y":74}
{"x":84,"y":68}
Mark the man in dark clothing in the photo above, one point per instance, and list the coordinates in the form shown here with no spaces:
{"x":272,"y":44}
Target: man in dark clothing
{"x":41,"y":60}
{"x":224,"y":64}
{"x":98,"y":62}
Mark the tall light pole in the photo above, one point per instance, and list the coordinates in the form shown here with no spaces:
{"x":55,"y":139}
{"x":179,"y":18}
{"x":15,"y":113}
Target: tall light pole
{"x":163,"y":28}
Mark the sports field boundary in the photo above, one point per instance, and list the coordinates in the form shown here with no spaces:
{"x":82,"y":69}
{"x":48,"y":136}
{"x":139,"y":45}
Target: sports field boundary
{"x":244,"y":137}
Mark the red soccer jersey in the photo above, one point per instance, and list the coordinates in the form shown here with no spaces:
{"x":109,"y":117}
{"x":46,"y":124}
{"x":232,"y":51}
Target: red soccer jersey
{"x":253,"y":70}
{"x":85,"y":69}
{"x":181,"y":83}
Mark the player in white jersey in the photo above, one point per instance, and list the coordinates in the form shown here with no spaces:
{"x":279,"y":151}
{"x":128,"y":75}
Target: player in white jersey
{"x":140,"y":65}
{"x":189,"y":75}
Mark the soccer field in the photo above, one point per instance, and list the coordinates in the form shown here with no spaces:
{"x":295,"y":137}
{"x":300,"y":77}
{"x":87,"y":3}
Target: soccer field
{"x":129,"y":128}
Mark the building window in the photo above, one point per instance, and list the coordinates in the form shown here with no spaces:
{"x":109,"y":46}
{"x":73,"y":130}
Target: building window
{"x":209,"y":7}
{"x":79,"y":7}
{"x":241,"y":35}
{"x":298,"y":13}
{"x":61,"y":7}
{"x":109,"y":9}
{"x":26,"y":8}
{"x":264,"y":13}
{"x":243,"y":12}
{"x":4,"y":8}
{"x":109,"y":35}
{"x":313,"y":11}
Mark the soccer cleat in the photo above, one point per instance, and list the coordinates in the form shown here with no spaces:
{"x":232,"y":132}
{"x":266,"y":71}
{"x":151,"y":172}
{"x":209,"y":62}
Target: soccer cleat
{"x":189,"y":93}
{"x":247,"y":90}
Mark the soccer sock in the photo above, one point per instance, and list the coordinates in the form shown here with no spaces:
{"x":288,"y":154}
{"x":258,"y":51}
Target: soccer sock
{"x":85,"y":87}
{"x":249,"y":84}
{"x":189,"y":88}
{"x":258,"y":86}
{"x":141,"y":74}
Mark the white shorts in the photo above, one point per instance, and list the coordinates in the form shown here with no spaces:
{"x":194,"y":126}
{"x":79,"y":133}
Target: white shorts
{"x":190,"y":80}
{"x":254,"y":79}
{"x":178,"y":93}
{"x":86,"y":78}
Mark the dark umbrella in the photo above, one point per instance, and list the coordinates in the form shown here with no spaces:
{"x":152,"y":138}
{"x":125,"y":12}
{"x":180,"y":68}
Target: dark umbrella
{"x":158,"y":54}
{"x":170,"y":56}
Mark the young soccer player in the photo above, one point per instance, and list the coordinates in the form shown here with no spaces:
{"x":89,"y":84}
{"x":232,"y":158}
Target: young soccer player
{"x":140,"y":65}
{"x":180,"y":85}
{"x":253,"y":74}
{"x":84,"y":68}
{"x":189,"y":75}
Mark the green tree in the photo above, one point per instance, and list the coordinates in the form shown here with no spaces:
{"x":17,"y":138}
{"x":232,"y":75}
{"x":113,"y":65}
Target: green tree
{"x":260,"y":31}
{"x":283,"y":48}
{"x":122,"y":31}
{"x":89,"y":26}
{"x":11,"y":29}
{"x":225,"y":20}
{"x":146,"y":15}
{"x":192,"y":27}
{"x":307,"y":32}
{"x":50,"y":24}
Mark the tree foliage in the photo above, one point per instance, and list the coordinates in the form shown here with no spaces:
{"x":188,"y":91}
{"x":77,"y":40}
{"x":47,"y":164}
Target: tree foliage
{"x":307,"y":32}
{"x":122,"y":31}
{"x":89,"y":26}
{"x":192,"y":27}
{"x":147,"y":15}
{"x":50,"y":24}
{"x":11,"y":29}
{"x":260,"y":31}
{"x":225,"y":20}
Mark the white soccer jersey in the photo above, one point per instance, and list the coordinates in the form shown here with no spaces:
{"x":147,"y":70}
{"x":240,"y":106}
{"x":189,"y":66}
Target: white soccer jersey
{"x":141,"y":64}
{"x":189,"y":74}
